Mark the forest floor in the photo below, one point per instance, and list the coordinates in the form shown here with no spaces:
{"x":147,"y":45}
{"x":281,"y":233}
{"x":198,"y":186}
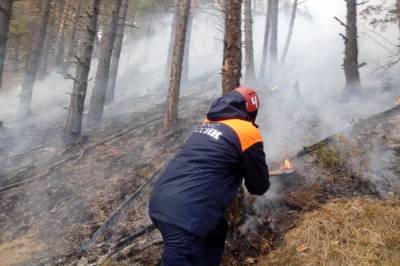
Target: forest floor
{"x":87,"y":205}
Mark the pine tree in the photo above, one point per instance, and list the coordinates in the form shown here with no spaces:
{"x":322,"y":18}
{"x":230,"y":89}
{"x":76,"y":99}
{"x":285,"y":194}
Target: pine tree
{"x":274,"y":32}
{"x":73,"y":127}
{"x":117,"y":52}
{"x":72,"y":43}
{"x":97,"y":100}
{"x":350,"y":63}
{"x":60,"y":49}
{"x":232,"y":57}
{"x":266,"y":41}
{"x":249,"y":50}
{"x":290,"y":33}
{"x":32,"y":64}
{"x":5,"y":18}
{"x":171,"y":116}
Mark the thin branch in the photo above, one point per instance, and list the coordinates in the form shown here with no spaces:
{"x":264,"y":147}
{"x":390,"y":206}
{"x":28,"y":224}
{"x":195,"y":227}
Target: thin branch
{"x":341,"y":22}
{"x":344,"y":37}
{"x":362,"y":3}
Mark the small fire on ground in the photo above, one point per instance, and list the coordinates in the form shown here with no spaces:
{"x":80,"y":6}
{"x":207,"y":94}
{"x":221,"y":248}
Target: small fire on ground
{"x":287,"y":165}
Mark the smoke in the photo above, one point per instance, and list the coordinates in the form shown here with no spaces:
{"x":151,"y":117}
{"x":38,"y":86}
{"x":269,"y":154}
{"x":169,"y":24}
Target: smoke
{"x":293,"y":117}
{"x":381,"y":170}
{"x":302,"y":101}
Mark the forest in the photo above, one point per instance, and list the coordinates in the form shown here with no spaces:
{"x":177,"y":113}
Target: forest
{"x":96,"y":97}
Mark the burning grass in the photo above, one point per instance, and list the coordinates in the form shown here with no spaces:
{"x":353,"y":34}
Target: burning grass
{"x":360,"y":231}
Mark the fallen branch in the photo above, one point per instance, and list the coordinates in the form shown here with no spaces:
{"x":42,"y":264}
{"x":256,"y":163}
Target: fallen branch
{"x":79,"y":155}
{"x":108,"y":139}
{"x":38,"y":176}
{"x":23,"y":154}
{"x":114,"y":217}
{"x":19,"y":172}
{"x":136,"y":252}
{"x":121,"y":244}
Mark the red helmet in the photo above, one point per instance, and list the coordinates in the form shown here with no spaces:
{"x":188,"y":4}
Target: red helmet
{"x":251,"y":97}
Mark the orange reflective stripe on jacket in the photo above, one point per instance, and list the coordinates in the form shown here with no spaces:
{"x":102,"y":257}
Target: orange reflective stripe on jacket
{"x":247,"y":133}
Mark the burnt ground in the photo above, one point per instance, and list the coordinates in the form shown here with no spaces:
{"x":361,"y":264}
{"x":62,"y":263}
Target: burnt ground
{"x":55,"y":201}
{"x":58,"y":197}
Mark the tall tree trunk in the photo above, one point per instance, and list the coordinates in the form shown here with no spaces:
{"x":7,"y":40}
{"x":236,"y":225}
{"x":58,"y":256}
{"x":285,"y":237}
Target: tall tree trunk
{"x":117,"y":52}
{"x":249,"y":50}
{"x":31,"y":68}
{"x":98,"y":97}
{"x":73,"y":39}
{"x":350,"y":63}
{"x":232,"y":63}
{"x":5,"y":17}
{"x":17,"y":52}
{"x":73,"y":126}
{"x":171,"y":41}
{"x":398,"y":12}
{"x":60,"y":50}
{"x":290,"y":33}
{"x":266,"y":41}
{"x":149,"y":31}
{"x":96,"y":48}
{"x":46,"y":59}
{"x":185,"y":68}
{"x":274,"y":32}
{"x":171,"y":116}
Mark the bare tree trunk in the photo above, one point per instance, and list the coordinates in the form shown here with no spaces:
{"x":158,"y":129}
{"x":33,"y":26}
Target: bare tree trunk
{"x":398,"y":12}
{"x":171,"y":116}
{"x":249,"y":50}
{"x":232,"y":63}
{"x":171,"y":42}
{"x":73,"y":127}
{"x":46,"y":59}
{"x":117,"y":52}
{"x":185,"y":69}
{"x":350,"y":63}
{"x":274,"y":32}
{"x":98,"y":97}
{"x":60,"y":51}
{"x":96,"y":48}
{"x":17,"y":52}
{"x":149,"y":31}
{"x":266,"y":41}
{"x":73,"y":40}
{"x":290,"y":33}
{"x":5,"y":17}
{"x":31,"y":68}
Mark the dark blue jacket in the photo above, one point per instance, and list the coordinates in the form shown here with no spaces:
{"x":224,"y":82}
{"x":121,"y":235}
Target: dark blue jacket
{"x":198,"y":185}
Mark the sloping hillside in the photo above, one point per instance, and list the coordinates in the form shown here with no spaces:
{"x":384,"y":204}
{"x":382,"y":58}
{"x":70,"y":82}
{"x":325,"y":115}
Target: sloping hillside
{"x":87,"y":204}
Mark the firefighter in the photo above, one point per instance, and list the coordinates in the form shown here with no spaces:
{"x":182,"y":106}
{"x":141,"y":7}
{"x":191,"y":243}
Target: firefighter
{"x":189,"y":200}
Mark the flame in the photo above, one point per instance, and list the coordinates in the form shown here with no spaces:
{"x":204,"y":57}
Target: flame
{"x":287,"y":165}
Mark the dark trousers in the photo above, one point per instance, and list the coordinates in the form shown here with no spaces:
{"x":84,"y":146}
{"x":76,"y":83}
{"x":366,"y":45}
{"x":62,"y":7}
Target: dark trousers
{"x":184,"y":248}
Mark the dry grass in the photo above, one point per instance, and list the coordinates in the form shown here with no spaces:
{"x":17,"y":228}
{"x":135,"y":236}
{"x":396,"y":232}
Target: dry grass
{"x":19,"y":250}
{"x":360,"y":231}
